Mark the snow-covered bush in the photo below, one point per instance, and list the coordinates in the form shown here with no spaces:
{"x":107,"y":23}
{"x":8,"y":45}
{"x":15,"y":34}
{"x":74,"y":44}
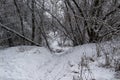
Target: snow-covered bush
{"x":84,"y":72}
{"x":110,"y":52}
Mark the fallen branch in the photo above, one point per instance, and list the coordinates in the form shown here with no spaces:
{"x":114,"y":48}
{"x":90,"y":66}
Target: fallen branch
{"x":18,"y":34}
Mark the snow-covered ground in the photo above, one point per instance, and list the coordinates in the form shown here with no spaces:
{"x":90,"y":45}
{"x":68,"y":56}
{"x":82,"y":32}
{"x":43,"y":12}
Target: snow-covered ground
{"x":37,"y":63}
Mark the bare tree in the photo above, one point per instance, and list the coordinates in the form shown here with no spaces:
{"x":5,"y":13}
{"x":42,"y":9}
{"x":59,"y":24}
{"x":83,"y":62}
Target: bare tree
{"x":20,"y":16}
{"x":87,"y":21}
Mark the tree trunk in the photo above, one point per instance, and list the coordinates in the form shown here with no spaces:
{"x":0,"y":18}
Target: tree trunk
{"x":33,"y":19}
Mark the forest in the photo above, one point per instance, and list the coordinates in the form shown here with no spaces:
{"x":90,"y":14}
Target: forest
{"x":85,"y":33}
{"x":29,"y":22}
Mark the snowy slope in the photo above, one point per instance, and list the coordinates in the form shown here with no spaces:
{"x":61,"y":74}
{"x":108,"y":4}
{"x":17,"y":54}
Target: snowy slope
{"x":37,"y":63}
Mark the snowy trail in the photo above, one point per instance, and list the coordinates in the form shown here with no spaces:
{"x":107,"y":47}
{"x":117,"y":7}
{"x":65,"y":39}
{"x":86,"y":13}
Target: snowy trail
{"x":27,"y":66}
{"x":38,"y":64}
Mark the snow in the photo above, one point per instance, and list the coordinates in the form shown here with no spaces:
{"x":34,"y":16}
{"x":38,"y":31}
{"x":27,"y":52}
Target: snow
{"x":37,"y":63}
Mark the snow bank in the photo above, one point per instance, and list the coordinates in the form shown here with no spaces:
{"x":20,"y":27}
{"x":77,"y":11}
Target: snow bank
{"x":37,"y":63}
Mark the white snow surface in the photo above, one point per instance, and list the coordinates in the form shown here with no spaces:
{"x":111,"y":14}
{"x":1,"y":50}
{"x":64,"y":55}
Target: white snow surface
{"x":37,"y":63}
